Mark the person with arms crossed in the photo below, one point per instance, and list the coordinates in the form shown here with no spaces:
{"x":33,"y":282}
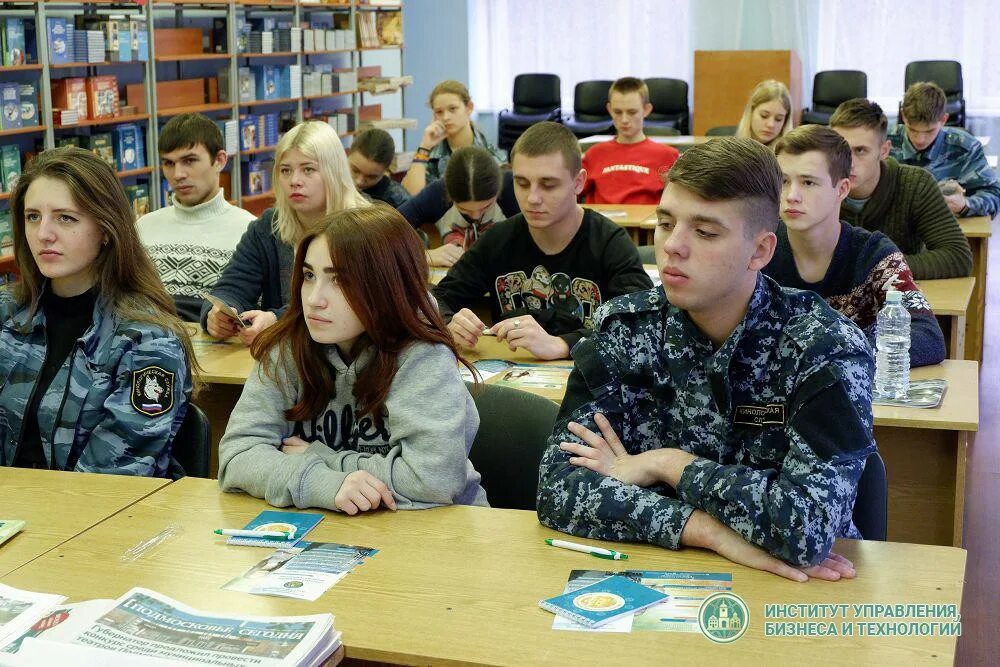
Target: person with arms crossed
{"x":902,"y":202}
{"x":547,"y":269}
{"x":848,"y":266}
{"x":698,"y":412}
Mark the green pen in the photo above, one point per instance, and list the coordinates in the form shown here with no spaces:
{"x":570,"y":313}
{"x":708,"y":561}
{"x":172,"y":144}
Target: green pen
{"x":607,"y":554}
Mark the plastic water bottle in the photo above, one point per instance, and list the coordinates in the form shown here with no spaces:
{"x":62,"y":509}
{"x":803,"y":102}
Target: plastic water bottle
{"x":892,"y":348}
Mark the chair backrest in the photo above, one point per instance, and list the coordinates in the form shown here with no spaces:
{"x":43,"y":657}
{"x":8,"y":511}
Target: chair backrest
{"x":669,"y":97}
{"x":193,"y":445}
{"x":514,"y":427}
{"x":188,"y":307}
{"x":721,"y":131}
{"x":536,"y":93}
{"x":945,"y":73}
{"x":832,"y":87}
{"x":590,"y":99}
{"x":871,"y":507}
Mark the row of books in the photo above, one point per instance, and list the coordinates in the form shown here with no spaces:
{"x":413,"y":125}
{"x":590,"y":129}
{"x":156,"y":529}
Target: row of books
{"x":262,"y":82}
{"x":123,"y":148}
{"x":18,"y":105}
{"x":258,"y":131}
{"x":93,"y":97}
{"x":97,"y":38}
{"x":13,"y":42}
{"x":380,"y":29}
{"x":10,"y":167}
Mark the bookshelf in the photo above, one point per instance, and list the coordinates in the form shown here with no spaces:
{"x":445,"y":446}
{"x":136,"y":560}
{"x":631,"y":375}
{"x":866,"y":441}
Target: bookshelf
{"x":167,"y":67}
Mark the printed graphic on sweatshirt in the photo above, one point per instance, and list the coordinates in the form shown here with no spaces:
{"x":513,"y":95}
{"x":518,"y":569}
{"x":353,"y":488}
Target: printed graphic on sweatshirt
{"x":187,"y":269}
{"x":541,"y":291}
{"x":345,"y":431}
{"x":634,"y":168}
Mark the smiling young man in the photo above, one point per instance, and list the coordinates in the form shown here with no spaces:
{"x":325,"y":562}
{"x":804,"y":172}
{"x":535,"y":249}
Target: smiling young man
{"x":548,"y":268}
{"x":698,"y":414}
{"x":192,"y":240}
{"x":902,"y":202}
{"x":848,"y":266}
{"x":949,"y":153}
{"x":630,"y":168}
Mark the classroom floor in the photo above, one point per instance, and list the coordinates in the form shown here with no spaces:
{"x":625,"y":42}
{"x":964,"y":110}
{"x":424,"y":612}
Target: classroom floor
{"x":979,"y":642}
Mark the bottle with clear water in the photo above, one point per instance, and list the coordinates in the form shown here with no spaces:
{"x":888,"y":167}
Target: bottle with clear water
{"x":892,"y":348}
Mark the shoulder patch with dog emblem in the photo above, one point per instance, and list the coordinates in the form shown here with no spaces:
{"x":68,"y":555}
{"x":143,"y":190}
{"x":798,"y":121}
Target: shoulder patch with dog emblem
{"x":152,"y":391}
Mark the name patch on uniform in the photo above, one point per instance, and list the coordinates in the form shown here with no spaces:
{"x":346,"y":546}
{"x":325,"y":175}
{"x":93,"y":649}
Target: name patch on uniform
{"x":152,"y":391}
{"x":759,"y":415}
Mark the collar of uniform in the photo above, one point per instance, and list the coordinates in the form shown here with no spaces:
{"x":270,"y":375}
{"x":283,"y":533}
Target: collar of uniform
{"x":757,"y":313}
{"x":908,"y":153}
{"x":31,"y":319}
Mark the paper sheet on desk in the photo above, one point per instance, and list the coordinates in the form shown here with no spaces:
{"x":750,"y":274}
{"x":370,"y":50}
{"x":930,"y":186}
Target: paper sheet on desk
{"x":922,"y":394}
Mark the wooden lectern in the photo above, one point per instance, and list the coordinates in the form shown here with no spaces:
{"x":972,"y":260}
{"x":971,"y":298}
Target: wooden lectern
{"x":723,"y":81}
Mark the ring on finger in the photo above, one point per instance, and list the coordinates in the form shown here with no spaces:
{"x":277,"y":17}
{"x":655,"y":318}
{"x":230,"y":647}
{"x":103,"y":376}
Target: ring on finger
{"x":517,"y":324}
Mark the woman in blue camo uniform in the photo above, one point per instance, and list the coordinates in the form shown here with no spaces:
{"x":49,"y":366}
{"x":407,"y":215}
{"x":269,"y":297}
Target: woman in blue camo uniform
{"x":95,"y":366}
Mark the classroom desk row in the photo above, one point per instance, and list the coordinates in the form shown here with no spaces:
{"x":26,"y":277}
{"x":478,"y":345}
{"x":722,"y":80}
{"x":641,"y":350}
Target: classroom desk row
{"x":640,"y":221}
{"x":924,"y":449}
{"x":452,"y":585}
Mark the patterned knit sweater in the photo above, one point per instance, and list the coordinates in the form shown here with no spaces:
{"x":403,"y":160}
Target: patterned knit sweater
{"x":862,"y":265}
{"x":907,"y":206}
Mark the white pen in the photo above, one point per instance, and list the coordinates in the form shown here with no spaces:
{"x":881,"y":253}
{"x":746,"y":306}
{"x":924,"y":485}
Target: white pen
{"x":607,"y":554}
{"x":233,"y":532}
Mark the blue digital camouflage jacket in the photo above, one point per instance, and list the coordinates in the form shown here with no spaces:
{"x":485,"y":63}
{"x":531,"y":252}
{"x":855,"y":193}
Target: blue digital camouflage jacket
{"x":954,"y":154}
{"x":779,"y":417}
{"x":113,"y":407}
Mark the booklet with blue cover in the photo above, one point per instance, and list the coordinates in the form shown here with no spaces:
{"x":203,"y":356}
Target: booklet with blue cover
{"x":603,"y":601}
{"x":296,"y":524}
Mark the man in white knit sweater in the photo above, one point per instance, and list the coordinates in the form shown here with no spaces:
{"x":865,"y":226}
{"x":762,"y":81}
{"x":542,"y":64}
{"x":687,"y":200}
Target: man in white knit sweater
{"x":192,"y":240}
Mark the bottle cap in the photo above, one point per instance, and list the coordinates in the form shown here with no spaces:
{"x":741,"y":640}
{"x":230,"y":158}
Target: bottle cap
{"x":893,"y":296}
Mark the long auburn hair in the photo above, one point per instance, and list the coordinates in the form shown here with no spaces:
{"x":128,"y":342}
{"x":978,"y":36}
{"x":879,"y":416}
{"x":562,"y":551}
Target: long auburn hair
{"x":125,"y":275}
{"x":317,"y":141}
{"x":382,"y":269}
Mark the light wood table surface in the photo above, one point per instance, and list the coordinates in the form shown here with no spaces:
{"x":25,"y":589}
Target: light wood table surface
{"x":950,"y":299}
{"x":978,"y":231}
{"x":57,"y":506}
{"x":460,"y":585}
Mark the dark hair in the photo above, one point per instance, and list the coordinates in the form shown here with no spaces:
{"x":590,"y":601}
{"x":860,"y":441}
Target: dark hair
{"x":819,"y":138}
{"x":734,"y":169}
{"x":382,"y":269}
{"x":923,"y":102}
{"x":546,"y":138}
{"x":472,"y":175}
{"x":630,"y":84}
{"x":126,"y":277}
{"x":860,"y":112}
{"x":376,"y":145}
{"x":187,"y":131}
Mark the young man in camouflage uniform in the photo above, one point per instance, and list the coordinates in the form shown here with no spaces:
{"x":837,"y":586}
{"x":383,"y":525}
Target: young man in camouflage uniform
{"x":702,"y":413}
{"x":949,"y":153}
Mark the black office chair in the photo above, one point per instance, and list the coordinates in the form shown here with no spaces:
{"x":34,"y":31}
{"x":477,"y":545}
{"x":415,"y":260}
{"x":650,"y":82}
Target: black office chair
{"x":514,"y":427}
{"x":647,"y":254}
{"x":192,"y":452}
{"x":537,"y":98}
{"x":830,"y":89}
{"x":188,"y":308}
{"x":871,"y":507}
{"x":669,"y":98}
{"x":721,"y":131}
{"x":590,"y":111}
{"x":948,"y":75}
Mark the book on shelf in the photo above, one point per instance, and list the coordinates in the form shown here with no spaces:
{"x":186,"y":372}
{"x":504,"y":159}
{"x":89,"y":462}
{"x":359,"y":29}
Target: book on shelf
{"x":10,"y":167}
{"x":390,"y":28}
{"x":12,"y":38}
{"x":10,"y":106}
{"x":384,"y":84}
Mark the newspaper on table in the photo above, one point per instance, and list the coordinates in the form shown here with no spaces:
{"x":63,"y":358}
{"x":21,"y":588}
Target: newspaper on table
{"x":20,"y":609}
{"x":146,"y":624}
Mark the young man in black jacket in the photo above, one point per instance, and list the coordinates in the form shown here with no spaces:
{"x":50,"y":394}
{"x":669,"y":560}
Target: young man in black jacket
{"x":547,"y":269}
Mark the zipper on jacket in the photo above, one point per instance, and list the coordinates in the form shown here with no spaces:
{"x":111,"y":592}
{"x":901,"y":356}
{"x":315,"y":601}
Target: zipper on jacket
{"x":62,"y":406}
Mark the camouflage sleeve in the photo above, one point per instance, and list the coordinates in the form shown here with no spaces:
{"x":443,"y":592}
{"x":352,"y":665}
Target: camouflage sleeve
{"x":796,"y":512}
{"x":582,"y":502}
{"x":140,"y":421}
{"x":982,"y":188}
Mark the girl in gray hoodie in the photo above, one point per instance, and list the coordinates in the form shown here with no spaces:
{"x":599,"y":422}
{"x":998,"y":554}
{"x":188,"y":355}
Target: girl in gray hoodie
{"x":343,"y":410}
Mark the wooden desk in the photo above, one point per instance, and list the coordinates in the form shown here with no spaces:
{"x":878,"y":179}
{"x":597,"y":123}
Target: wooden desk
{"x":978,"y":231}
{"x":460,"y":585}
{"x":949,"y":299}
{"x":638,"y":219}
{"x":60,"y":505}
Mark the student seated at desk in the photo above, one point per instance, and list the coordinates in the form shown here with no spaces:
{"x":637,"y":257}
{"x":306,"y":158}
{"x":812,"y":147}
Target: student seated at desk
{"x":547,"y":269}
{"x":699,"y":413}
{"x":768,"y":113}
{"x":357,"y":402}
{"x":474,"y":194}
{"x":848,"y":266}
{"x":371,"y":153}
{"x":95,"y":366}
{"x":949,"y":153}
{"x":193,"y":239}
{"x":313,"y":179}
{"x":451,"y":129}
{"x":902,"y":202}
{"x":630,"y":168}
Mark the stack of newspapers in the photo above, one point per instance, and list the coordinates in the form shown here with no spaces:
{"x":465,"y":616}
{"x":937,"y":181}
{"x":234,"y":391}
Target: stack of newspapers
{"x":144,"y":628}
